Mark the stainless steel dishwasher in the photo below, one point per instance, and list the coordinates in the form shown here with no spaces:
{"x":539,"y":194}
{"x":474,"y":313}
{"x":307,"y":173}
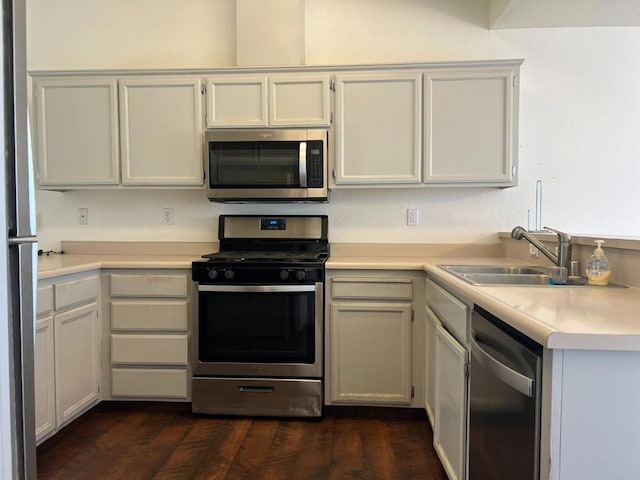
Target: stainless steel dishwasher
{"x":504,"y":401}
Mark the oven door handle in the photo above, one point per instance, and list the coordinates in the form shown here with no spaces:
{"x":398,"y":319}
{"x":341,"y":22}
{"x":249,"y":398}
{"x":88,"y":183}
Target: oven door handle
{"x":256,"y":288}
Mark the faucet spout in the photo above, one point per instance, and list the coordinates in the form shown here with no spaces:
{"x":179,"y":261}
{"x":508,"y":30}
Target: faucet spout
{"x":562,"y":258}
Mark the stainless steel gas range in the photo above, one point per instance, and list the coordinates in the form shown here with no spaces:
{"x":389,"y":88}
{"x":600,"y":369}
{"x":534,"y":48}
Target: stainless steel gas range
{"x":258,"y":340}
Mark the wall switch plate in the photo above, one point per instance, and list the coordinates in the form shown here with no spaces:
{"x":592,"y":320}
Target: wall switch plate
{"x":83,"y":216}
{"x":413,"y":217}
{"x":533,"y":251}
{"x":167,"y":216}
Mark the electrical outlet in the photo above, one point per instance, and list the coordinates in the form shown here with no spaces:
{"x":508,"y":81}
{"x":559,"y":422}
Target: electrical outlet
{"x":167,"y":216}
{"x":413,"y":215}
{"x":83,"y":216}
{"x":533,"y":251}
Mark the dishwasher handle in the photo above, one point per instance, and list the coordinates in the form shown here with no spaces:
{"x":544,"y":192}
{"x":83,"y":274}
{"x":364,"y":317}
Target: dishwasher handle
{"x":511,"y":377}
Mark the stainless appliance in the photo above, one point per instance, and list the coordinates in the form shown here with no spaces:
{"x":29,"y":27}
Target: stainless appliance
{"x":17,"y":423}
{"x":504,"y":399}
{"x":258,"y":340}
{"x":266,"y":165}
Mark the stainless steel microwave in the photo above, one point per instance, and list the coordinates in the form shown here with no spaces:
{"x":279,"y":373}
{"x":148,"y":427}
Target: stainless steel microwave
{"x":266,"y":165}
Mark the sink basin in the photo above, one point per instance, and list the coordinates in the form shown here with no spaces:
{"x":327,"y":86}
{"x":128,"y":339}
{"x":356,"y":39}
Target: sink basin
{"x":509,"y":275}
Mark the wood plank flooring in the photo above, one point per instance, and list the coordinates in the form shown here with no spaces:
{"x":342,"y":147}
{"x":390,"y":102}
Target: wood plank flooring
{"x":150,"y":443}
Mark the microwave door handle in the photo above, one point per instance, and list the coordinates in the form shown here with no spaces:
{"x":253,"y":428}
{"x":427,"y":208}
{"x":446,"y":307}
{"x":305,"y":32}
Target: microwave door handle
{"x":302,"y":164}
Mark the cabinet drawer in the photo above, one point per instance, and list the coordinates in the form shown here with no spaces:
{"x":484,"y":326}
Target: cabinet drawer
{"x":76,"y":292}
{"x":149,"y":315}
{"x":44,"y":301}
{"x":148,"y":285}
{"x":372,"y":288}
{"x":452,"y":312}
{"x":139,"y":382}
{"x":150,"y":349}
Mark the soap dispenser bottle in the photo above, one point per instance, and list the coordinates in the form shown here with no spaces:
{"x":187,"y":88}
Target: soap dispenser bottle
{"x":598,"y":269}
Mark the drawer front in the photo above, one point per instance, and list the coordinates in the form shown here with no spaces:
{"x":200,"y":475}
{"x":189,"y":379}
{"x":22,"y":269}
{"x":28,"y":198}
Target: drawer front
{"x":148,"y":285}
{"x":452,"y":312}
{"x":143,"y":382}
{"x":150,"y":349}
{"x":372,"y":288}
{"x":44,"y":301}
{"x":76,"y":292}
{"x":149,"y":315}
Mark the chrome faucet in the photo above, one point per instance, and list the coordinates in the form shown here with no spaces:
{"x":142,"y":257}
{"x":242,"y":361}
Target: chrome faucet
{"x":563,"y":257}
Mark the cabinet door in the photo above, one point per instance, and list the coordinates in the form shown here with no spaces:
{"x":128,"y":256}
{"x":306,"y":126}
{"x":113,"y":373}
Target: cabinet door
{"x":161,"y":130}
{"x":45,"y":412}
{"x":299,"y":100}
{"x":237,"y":101}
{"x":470,"y":127}
{"x":77,"y":131}
{"x":370,"y":353}
{"x":77,"y":361}
{"x":432,"y":323}
{"x":378,"y":129}
{"x":451,"y":406}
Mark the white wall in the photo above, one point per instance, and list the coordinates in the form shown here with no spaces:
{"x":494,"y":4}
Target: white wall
{"x":579,"y":115}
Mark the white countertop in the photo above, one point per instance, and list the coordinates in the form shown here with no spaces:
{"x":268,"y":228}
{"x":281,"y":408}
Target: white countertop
{"x":593,"y":318}
{"x":56,"y":265}
{"x":562,"y":317}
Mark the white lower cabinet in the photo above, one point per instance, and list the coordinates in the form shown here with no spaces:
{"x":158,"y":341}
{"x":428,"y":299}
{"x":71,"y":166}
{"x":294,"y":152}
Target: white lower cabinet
{"x":67,"y":351}
{"x":149,"y":335}
{"x":447,"y":376}
{"x":45,"y":406}
{"x":374,"y":348}
{"x":77,"y":361}
{"x":431,"y":326}
{"x":451,"y":407}
{"x":371,"y":353}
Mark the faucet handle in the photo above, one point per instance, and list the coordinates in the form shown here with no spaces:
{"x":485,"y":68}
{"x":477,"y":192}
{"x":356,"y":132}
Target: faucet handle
{"x":563,"y":237}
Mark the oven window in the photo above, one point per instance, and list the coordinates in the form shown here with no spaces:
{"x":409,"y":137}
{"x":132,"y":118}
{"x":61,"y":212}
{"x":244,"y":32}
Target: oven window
{"x":250,"y":164}
{"x":257,"y":327}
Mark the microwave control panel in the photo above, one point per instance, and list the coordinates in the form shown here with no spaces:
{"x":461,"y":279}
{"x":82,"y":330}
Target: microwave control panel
{"x":314,"y":165}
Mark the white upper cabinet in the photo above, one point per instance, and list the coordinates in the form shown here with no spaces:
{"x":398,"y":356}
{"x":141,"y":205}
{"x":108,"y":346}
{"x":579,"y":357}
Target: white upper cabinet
{"x":299,"y":100}
{"x":237,"y":101}
{"x":77,"y":131}
{"x":378,"y":128}
{"x":268,"y":101}
{"x":161,"y":131}
{"x":470,"y":122}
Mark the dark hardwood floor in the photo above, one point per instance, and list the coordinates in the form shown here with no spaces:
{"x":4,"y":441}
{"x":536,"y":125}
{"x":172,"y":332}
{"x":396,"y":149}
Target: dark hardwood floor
{"x":146,"y":442}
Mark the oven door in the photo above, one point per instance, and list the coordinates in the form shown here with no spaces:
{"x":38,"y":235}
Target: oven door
{"x":259,"y":330}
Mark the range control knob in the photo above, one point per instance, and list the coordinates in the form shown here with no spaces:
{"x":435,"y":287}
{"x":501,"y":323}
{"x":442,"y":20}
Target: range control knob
{"x":284,"y":274}
{"x":212,"y":274}
{"x":300,"y":274}
{"x":229,"y":274}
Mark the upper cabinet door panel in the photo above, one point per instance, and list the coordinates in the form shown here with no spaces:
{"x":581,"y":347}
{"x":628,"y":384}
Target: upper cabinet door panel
{"x":237,"y":101}
{"x":77,"y":131}
{"x":470,"y":129}
{"x":300,"y":100}
{"x":378,"y":128}
{"x":161,"y":130}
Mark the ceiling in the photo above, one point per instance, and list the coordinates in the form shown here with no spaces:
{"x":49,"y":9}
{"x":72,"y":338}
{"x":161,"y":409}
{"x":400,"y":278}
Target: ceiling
{"x":563,"y":13}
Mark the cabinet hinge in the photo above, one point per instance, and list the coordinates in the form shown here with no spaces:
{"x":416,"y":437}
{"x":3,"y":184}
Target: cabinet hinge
{"x":413,"y":314}
{"x":332,"y":85}
{"x":333,"y":173}
{"x":413,"y":391}
{"x":515,"y":82}
{"x":331,"y":118}
{"x":203,"y":88}
{"x":467,"y":368}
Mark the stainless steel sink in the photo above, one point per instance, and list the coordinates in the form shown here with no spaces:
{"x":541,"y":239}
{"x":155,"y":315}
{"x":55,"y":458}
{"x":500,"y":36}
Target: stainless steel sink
{"x":509,"y":275}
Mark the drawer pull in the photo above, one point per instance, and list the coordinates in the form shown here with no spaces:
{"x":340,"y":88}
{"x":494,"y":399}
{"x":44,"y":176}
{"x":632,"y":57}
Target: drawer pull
{"x":255,"y":389}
